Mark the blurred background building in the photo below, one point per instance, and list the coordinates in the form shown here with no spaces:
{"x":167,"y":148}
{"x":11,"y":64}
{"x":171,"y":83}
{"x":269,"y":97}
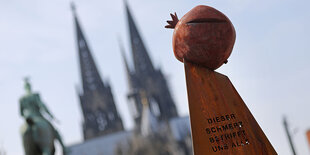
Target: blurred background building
{"x":158,"y":128}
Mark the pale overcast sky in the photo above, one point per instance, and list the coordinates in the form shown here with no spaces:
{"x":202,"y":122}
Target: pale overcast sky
{"x":269,"y":65}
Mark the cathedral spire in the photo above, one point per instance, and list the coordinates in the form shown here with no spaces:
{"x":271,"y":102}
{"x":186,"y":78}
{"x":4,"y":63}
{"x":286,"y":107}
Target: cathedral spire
{"x":141,"y":59}
{"x":89,"y":72}
{"x":73,"y":8}
{"x":128,"y":72}
{"x":147,"y":78}
{"x":99,"y":110}
{"x":135,"y":106}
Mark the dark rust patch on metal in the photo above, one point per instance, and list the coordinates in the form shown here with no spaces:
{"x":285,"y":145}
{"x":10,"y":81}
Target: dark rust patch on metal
{"x":206,"y":20}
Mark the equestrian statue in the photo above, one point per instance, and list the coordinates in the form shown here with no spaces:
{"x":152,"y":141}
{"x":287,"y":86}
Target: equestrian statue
{"x":38,"y":133}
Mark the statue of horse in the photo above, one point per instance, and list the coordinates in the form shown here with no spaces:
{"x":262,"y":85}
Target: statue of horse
{"x":38,"y":133}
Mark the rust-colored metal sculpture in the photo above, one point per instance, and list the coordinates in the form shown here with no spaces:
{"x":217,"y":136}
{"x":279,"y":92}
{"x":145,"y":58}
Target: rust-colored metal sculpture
{"x":221,"y":122}
{"x":204,"y":36}
{"x":308,"y":137}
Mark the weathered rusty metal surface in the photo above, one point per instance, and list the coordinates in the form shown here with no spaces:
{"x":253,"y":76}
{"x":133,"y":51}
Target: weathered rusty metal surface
{"x":308,"y":137}
{"x":204,"y":35}
{"x":221,"y":122}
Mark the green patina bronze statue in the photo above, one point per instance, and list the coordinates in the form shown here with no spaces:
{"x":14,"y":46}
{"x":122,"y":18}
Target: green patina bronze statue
{"x":38,"y":133}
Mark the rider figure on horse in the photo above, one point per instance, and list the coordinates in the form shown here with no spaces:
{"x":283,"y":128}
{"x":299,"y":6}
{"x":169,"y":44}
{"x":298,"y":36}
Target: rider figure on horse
{"x":38,"y":132}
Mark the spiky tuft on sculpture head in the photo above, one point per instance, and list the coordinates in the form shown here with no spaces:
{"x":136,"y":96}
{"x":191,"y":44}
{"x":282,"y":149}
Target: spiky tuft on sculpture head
{"x":172,"y":23}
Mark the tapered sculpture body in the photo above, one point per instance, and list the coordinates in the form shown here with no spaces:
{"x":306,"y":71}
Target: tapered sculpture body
{"x":221,"y":122}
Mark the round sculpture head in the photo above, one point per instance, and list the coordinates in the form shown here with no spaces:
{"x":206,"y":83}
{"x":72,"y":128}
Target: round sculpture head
{"x":203,"y":36}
